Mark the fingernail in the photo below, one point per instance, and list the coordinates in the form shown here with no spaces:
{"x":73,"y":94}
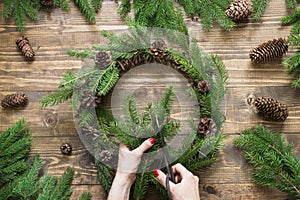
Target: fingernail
{"x":156,"y":173}
{"x":152,"y":140}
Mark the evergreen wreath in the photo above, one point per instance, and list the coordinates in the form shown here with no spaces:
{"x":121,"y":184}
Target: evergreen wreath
{"x":20,"y":175}
{"x":274,"y":164}
{"x":206,"y":74}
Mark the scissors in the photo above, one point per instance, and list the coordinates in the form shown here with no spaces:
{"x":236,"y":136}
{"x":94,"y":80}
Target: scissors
{"x":170,"y":174}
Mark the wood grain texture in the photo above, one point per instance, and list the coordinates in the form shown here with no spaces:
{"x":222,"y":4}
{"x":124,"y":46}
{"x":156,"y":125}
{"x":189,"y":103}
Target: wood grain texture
{"x":58,"y":31}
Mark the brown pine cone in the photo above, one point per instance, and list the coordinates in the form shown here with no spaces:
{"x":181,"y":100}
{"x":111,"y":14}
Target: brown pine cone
{"x":46,"y":3}
{"x":24,"y":46}
{"x":102,"y":60}
{"x":203,"y":86}
{"x":207,"y":127}
{"x":270,"y":108}
{"x":66,"y":148}
{"x":105,"y":156}
{"x":239,"y":9}
{"x":158,"y":49}
{"x":269,"y":50}
{"x":14,"y":100}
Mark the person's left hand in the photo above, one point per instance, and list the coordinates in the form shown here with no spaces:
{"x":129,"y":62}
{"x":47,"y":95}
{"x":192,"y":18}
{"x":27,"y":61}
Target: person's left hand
{"x":129,"y":161}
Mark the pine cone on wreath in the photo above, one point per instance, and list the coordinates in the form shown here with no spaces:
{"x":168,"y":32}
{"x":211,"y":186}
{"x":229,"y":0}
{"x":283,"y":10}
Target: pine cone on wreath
{"x":105,"y":156}
{"x":158,"y":49}
{"x":14,"y":100}
{"x":46,"y":3}
{"x":270,"y":108}
{"x":89,"y":101}
{"x":203,"y":86}
{"x":207,"y":127}
{"x":269,"y":50}
{"x":24,"y":46}
{"x":102,"y":60}
{"x":239,"y":9}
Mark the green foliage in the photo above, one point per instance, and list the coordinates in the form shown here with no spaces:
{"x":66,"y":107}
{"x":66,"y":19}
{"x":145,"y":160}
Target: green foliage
{"x":19,"y":10}
{"x":209,"y":11}
{"x":87,"y":9}
{"x":274,"y":164}
{"x":85,"y":196}
{"x":155,"y":13}
{"x":19,"y":175}
{"x":290,"y":4}
{"x":105,"y":175}
{"x":293,"y":62}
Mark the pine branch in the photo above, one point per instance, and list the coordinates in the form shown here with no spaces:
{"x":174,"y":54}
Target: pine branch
{"x":85,"y":53}
{"x":259,"y":7}
{"x":63,"y":4}
{"x":140,"y":186}
{"x":272,"y":158}
{"x":56,"y":98}
{"x":86,"y":196}
{"x":290,"y":4}
{"x":292,"y":64}
{"x":157,"y":13}
{"x":105,"y":176}
{"x":209,"y":11}
{"x":62,"y":189}
{"x":97,"y":4}
{"x":87,"y":9}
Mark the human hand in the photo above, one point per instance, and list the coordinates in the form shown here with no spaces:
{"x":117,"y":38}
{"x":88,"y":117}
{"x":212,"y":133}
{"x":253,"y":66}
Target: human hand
{"x":186,"y":186}
{"x":129,"y":161}
{"x":128,"y":164}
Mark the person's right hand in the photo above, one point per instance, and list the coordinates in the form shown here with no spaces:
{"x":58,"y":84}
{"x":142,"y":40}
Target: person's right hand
{"x":186,"y":186}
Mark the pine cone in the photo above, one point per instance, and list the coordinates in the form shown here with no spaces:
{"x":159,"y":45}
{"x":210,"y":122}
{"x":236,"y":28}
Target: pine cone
{"x":66,"y":148}
{"x":239,"y":9}
{"x":270,"y":108}
{"x":207,"y":127}
{"x":158,"y":49}
{"x":90,"y":130}
{"x":269,"y":50}
{"x":89,"y":101}
{"x":46,"y":3}
{"x":102,"y":59}
{"x":25,"y":47}
{"x":203,"y":86}
{"x":14,"y":100}
{"x":105,"y":156}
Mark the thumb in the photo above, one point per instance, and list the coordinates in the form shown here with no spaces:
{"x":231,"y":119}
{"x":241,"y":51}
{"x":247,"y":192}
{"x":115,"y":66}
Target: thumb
{"x":147,"y":144}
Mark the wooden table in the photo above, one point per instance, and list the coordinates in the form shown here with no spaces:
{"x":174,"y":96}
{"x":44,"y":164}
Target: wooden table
{"x":58,"y":31}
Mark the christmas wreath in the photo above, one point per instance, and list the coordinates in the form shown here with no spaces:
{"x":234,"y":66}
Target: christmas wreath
{"x":101,"y":132}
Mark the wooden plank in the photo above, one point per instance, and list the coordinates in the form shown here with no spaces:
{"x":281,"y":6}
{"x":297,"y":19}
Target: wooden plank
{"x":58,"y":31}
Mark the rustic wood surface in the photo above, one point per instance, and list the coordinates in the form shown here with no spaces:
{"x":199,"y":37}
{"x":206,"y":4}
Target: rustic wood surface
{"x":58,"y":31}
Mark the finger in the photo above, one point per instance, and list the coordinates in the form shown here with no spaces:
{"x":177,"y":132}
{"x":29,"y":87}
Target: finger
{"x":161,"y":177}
{"x":182,"y":171}
{"x":147,"y":144}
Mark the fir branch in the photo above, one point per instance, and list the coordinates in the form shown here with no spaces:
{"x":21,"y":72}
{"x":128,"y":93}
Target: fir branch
{"x":124,"y":8}
{"x":259,"y":7}
{"x":292,"y":63}
{"x":97,"y":4}
{"x":86,"y":196}
{"x":87,"y":9}
{"x":140,"y":186}
{"x":272,"y":158}
{"x":85,"y":53}
{"x":63,"y":4}
{"x":62,"y":189}
{"x":209,"y":11}
{"x":56,"y":98}
{"x":105,"y":175}
{"x":290,"y":4}
{"x":47,"y":183}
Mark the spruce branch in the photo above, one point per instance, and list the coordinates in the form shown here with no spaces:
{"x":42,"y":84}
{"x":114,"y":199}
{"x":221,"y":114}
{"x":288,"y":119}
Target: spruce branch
{"x":274,"y":164}
{"x":292,"y":63}
{"x":209,"y":11}
{"x":87,"y":9}
{"x":86,"y":196}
